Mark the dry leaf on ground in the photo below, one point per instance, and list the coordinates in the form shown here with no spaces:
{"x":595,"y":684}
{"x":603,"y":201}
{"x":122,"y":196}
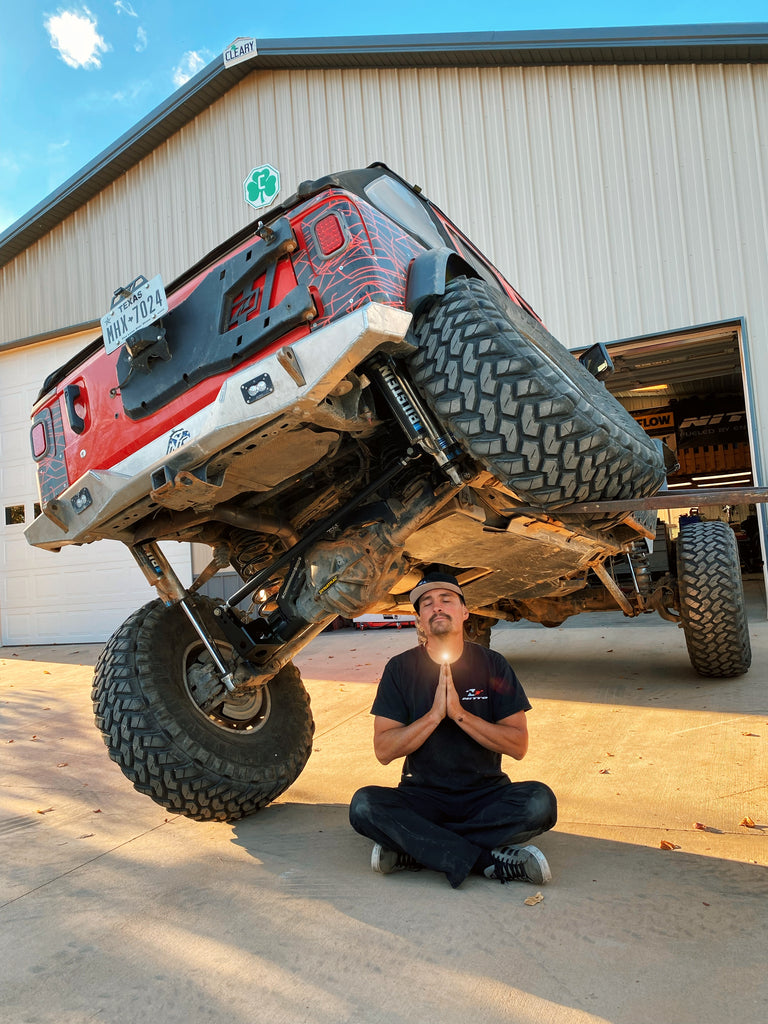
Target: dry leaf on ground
{"x":533,"y":900}
{"x":666,"y":845}
{"x":747,"y":821}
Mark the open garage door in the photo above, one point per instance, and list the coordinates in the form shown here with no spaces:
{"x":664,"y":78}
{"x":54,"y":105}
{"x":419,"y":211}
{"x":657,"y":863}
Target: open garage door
{"x":693,"y":389}
{"x":79,"y":594}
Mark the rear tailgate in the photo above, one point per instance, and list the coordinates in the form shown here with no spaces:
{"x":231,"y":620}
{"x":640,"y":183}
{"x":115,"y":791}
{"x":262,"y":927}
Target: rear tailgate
{"x":101,"y":411}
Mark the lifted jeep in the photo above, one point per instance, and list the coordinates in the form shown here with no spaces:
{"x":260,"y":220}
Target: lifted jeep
{"x":334,"y":400}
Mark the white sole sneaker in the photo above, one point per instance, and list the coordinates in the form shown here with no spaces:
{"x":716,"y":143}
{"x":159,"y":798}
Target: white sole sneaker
{"x":543,"y":864}
{"x":521,"y":864}
{"x":386,"y":861}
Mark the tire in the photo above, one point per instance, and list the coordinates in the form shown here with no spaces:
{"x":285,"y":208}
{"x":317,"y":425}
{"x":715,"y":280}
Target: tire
{"x":524,"y":407}
{"x":712,"y":605}
{"x":218,"y":765}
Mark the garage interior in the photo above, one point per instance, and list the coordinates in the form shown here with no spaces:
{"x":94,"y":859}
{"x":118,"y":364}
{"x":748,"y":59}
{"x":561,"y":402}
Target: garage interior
{"x":687,"y":388}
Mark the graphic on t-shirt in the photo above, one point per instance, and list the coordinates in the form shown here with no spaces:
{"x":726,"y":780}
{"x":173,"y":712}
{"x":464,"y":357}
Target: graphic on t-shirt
{"x":475,"y":694}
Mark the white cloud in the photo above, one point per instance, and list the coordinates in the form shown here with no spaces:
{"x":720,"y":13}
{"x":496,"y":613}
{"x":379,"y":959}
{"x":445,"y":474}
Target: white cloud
{"x":192,"y":62}
{"x":136,"y":91}
{"x":130,"y":95}
{"x":9,"y":164}
{"x":73,"y":33}
{"x":55,"y":148}
{"x":124,"y":7}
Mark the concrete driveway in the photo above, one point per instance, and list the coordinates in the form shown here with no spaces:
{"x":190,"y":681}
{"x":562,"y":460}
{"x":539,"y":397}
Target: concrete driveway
{"x":111,"y":910}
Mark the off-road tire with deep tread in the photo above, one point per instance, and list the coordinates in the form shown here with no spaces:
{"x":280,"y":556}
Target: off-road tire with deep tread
{"x":524,"y":407}
{"x":712,"y":604}
{"x":167,"y":747}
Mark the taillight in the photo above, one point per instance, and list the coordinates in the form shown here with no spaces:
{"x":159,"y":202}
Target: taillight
{"x":39,"y":436}
{"x":329,"y":234}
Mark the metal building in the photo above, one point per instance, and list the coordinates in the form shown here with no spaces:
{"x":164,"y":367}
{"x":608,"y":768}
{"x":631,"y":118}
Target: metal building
{"x":616,"y":177}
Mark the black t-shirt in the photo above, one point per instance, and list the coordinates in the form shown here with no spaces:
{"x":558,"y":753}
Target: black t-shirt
{"x":449,"y":758}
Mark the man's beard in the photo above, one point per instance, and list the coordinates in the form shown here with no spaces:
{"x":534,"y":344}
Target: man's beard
{"x":440,"y":625}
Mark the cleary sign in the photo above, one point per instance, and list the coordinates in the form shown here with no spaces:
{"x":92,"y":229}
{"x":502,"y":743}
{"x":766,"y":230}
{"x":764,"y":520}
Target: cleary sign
{"x":241,"y":49}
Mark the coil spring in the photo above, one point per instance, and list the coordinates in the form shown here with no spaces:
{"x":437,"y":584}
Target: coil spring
{"x":250,"y":552}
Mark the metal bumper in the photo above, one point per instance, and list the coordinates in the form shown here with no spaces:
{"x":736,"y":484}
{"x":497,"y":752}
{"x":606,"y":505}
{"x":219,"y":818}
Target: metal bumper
{"x":283,"y":388}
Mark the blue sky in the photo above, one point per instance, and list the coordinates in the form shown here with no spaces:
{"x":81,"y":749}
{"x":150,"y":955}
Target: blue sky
{"x":75,"y":76}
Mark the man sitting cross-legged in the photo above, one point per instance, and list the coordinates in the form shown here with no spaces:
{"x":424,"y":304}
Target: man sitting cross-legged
{"x":451,"y":709}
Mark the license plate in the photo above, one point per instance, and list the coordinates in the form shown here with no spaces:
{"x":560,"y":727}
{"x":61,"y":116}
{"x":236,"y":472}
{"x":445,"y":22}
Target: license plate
{"x":140,"y":309}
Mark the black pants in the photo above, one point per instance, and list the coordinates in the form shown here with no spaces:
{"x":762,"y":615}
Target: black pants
{"x":447,"y":831}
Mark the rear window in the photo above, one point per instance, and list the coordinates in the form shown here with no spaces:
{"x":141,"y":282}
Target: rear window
{"x":397,"y":202}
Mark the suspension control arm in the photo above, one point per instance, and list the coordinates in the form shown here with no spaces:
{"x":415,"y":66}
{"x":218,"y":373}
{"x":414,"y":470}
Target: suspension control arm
{"x":160,"y":574}
{"x":317,"y":531}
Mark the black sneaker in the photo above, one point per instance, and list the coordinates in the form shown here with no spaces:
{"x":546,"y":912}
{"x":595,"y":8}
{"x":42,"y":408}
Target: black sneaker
{"x":386,"y":861}
{"x":519,"y":864}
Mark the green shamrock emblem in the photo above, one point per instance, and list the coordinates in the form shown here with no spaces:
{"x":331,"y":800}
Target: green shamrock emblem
{"x":262,"y":185}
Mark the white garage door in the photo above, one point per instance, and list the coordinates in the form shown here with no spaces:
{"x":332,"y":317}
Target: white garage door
{"x":79,"y":594}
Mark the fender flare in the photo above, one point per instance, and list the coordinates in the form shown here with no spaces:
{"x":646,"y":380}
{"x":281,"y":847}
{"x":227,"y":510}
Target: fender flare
{"x":429,"y":273}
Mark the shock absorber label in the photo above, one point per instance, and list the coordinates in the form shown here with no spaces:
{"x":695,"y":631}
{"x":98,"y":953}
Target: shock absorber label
{"x":401,"y":404}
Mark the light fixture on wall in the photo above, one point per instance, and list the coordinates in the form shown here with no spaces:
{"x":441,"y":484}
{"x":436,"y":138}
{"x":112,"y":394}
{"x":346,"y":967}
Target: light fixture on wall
{"x":737,"y":478}
{"x":650,"y":388}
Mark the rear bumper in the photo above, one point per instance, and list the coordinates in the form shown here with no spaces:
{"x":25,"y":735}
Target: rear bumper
{"x":98,"y":505}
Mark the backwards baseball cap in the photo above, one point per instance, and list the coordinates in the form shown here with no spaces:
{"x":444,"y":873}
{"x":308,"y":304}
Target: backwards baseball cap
{"x":434,"y":581}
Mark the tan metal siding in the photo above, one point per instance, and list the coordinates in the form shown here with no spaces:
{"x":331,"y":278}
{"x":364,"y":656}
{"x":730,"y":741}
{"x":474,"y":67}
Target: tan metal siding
{"x":620,"y":200}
